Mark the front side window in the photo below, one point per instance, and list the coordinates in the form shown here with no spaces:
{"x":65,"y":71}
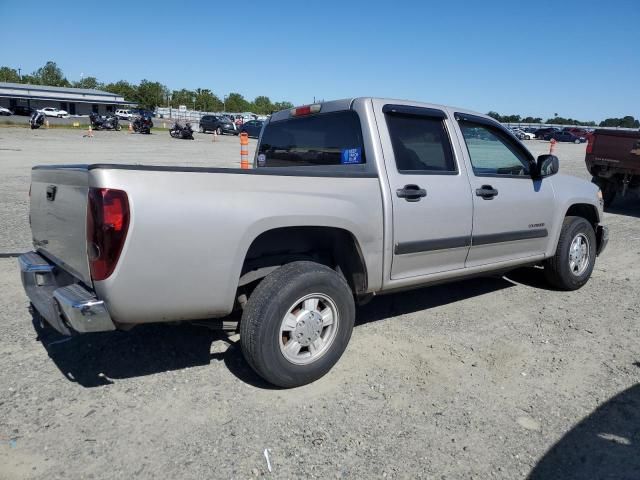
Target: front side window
{"x":323,"y":139}
{"x":492,"y":152}
{"x":420,"y":144}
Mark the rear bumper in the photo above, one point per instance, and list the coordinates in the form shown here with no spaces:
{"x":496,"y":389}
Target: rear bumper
{"x":67,"y":306}
{"x":602,"y":238}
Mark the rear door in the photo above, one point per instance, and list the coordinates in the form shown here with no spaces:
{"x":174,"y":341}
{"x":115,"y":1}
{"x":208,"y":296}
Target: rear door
{"x":512,"y":213}
{"x":431,"y":198}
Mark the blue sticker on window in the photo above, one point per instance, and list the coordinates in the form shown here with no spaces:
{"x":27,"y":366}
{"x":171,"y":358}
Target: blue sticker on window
{"x":351,"y":155}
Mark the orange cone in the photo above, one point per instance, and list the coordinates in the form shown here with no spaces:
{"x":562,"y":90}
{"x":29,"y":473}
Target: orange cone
{"x":89,"y":133}
{"x":130,"y":127}
{"x":552,"y":145}
{"x":244,"y":150}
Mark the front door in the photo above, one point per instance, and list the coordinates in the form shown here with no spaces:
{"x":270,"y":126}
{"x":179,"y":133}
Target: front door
{"x":431,"y":199}
{"x":512,"y":213}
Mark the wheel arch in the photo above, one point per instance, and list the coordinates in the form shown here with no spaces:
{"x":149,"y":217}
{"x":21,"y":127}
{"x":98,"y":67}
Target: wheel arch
{"x":586,"y":211}
{"x":334,"y":247}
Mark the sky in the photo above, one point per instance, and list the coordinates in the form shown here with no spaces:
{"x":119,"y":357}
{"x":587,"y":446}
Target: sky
{"x":579,"y":59}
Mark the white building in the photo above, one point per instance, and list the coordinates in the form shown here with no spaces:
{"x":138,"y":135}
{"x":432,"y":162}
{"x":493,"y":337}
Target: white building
{"x":76,"y":101}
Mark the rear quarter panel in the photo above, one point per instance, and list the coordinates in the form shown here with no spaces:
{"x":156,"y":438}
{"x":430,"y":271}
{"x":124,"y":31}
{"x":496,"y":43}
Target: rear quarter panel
{"x":190,"y":231}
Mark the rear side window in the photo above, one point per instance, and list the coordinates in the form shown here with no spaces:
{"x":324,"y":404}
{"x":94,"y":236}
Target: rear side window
{"x":324,"y":139}
{"x":420,"y":144}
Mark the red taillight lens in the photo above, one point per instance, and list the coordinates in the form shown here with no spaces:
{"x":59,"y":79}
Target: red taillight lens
{"x":590,"y":139}
{"x":305,"y":110}
{"x":107,"y":226}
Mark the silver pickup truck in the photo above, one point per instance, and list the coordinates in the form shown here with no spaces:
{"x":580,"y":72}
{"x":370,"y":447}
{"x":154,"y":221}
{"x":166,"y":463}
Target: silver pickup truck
{"x":347,"y":199}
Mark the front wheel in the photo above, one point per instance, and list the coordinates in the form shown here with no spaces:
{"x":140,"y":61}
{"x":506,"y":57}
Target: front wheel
{"x":118,"y":127}
{"x":571,"y":266}
{"x":297,"y":323}
{"x":219,"y":131}
{"x":577,"y":141}
{"x":202,"y":130}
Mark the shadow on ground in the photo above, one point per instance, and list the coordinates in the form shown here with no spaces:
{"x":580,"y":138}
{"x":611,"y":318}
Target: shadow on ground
{"x":628,"y":206}
{"x":605,"y":445}
{"x":99,"y":359}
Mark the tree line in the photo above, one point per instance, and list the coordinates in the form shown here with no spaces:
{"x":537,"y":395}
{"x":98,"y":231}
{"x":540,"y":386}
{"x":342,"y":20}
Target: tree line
{"x":625,"y":122}
{"x":148,"y":94}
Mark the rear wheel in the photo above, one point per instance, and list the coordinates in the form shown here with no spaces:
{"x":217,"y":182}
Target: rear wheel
{"x":219,"y":131}
{"x":297,"y":323}
{"x":571,"y":266}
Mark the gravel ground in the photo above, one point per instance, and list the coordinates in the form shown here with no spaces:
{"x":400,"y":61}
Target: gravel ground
{"x":489,"y":378}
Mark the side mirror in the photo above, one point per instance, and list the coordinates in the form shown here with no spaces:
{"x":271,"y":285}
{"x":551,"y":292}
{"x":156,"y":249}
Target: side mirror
{"x":547,"y":165}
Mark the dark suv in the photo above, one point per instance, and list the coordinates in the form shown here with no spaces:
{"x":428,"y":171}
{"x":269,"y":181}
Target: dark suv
{"x":218,"y":124}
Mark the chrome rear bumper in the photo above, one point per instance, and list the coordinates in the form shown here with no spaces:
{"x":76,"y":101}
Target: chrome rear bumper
{"x":66,"y":305}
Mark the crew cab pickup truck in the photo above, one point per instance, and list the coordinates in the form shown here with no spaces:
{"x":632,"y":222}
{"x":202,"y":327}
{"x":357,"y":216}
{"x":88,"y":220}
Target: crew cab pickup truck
{"x":347,"y":199}
{"x":613,"y":158}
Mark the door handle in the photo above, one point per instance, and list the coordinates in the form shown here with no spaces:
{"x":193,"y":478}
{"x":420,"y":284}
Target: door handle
{"x":487,"y":192}
{"x":411,"y":193}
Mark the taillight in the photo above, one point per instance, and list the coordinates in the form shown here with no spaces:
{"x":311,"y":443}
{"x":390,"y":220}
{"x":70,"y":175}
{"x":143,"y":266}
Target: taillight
{"x":107,"y":226}
{"x":305,"y":110}
{"x":590,"y":141}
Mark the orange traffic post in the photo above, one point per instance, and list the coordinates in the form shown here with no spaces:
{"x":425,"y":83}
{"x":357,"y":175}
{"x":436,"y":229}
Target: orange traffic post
{"x":89,"y":133}
{"x":130,"y":127}
{"x":244,"y":150}
{"x":46,"y":124}
{"x":552,"y":145}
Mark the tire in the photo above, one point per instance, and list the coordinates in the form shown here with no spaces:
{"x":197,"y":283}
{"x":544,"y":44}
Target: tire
{"x":118,"y":127}
{"x":219,"y":131}
{"x":558,"y":270}
{"x":263,"y":326}
{"x":577,"y":141}
{"x":202,"y":130}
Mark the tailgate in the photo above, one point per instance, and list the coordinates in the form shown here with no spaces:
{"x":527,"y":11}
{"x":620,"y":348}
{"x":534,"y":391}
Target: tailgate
{"x":59,"y":216}
{"x":619,"y":149}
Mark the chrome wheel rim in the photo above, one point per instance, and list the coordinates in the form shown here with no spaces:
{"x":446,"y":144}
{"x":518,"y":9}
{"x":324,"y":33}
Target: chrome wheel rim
{"x":579,"y":255}
{"x":308,"y":329}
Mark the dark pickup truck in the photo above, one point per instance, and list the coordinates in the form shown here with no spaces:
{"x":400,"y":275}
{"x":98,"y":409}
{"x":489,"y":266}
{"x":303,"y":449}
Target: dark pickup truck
{"x":613,"y":158}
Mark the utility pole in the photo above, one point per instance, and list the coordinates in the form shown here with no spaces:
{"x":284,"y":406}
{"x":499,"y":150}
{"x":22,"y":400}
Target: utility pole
{"x":19,"y":74}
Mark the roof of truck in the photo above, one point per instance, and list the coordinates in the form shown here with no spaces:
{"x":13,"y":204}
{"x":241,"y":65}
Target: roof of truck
{"x":346,"y":103}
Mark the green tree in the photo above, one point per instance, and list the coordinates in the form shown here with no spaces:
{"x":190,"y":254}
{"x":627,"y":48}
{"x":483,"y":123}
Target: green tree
{"x":50,"y":74}
{"x":151,"y":94}
{"x":8,"y":74}
{"x":236,"y":103}
{"x":88,"y":82}
{"x":625,"y":122}
{"x":282,"y":106}
{"x":206,"y":101}
{"x":182,"y":97}
{"x":124,"y":89}
{"x":262,"y":105}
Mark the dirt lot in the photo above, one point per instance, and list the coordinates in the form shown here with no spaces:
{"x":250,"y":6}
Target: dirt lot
{"x":490,"y":378}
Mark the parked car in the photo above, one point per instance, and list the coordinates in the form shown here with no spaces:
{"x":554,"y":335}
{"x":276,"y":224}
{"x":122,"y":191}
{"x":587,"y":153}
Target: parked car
{"x":5,"y":112}
{"x":23,"y":110}
{"x":541,"y":132}
{"x":218,"y":124}
{"x":522,"y":134}
{"x":252,"y":127}
{"x":54,"y":112}
{"x":124,"y":114}
{"x":325,"y":220}
{"x":565,"y":137}
{"x":141,"y":112}
{"x":613,"y":158}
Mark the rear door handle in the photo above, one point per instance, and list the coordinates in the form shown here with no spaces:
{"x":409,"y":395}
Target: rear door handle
{"x":411,"y":193}
{"x":487,"y":192}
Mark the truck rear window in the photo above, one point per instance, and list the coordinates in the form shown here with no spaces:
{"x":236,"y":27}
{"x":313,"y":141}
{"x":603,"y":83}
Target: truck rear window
{"x":325,"y":139}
